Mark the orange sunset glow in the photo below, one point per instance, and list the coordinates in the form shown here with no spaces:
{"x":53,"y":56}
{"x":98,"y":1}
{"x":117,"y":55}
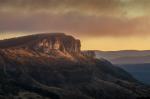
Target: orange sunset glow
{"x":99,"y":24}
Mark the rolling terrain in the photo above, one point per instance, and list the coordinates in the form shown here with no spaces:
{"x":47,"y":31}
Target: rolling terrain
{"x":52,"y":66}
{"x":135,"y":62}
{"x":125,"y":57}
{"x":139,"y":71}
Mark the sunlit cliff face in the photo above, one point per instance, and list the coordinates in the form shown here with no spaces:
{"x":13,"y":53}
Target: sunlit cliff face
{"x":100,"y":24}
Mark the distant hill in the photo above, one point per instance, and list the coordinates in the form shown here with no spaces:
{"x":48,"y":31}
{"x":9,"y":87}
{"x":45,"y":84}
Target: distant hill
{"x":125,"y":57}
{"x":139,"y":71}
{"x":52,"y":66}
{"x":135,"y":62}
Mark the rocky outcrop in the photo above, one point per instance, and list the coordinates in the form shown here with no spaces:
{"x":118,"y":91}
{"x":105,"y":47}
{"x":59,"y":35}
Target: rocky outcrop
{"x":89,"y":54}
{"x":45,"y":43}
{"x":29,"y":70}
{"x":57,"y":41}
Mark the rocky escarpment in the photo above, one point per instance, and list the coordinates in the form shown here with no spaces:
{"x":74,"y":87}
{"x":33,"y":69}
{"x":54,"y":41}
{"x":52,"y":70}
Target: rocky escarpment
{"x":45,"y":43}
{"x":60,"y":42}
{"x":89,"y":54}
{"x":38,"y":67}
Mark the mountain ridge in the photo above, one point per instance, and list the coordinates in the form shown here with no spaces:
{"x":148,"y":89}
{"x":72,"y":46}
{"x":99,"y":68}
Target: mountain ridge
{"x":62,"y":72}
{"x":51,"y":41}
{"x":124,"y":57}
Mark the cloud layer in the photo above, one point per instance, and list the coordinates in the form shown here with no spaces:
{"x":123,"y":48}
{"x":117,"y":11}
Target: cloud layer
{"x":61,"y":6}
{"x":79,"y":17}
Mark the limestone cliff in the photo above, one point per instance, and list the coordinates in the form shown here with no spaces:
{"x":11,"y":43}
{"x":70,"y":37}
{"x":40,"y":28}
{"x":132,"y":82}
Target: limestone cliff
{"x":50,"y":66}
{"x":56,"y":41}
{"x":45,"y":43}
{"x":89,"y":54}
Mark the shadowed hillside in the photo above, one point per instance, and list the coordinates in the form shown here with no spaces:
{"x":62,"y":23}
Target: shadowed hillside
{"x":51,"y":66}
{"x":125,"y":57}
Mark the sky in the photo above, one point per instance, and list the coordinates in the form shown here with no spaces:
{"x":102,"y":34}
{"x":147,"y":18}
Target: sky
{"x":99,"y":24}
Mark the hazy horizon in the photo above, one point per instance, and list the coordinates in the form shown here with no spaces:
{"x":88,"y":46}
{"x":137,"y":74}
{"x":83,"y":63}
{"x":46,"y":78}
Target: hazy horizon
{"x":106,"y":25}
{"x":85,"y":45}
